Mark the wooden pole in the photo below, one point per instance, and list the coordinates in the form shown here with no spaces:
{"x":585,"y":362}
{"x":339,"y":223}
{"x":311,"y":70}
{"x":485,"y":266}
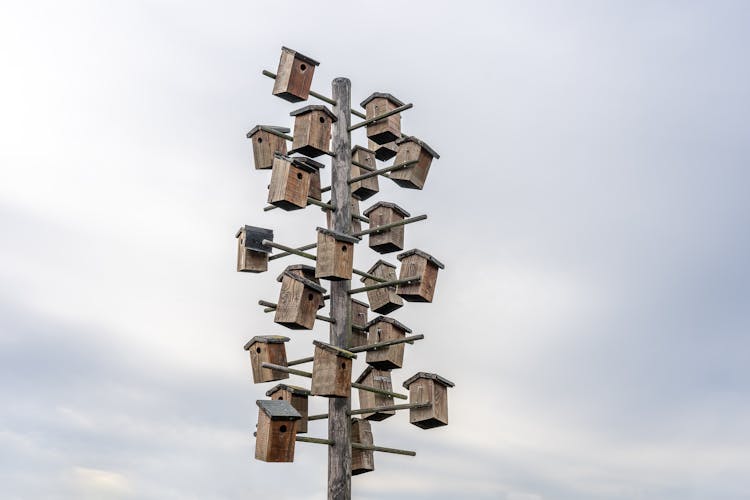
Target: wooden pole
{"x":339,"y":427}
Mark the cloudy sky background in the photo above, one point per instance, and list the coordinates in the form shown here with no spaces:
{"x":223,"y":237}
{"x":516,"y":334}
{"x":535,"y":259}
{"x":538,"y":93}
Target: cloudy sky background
{"x":591,"y":205}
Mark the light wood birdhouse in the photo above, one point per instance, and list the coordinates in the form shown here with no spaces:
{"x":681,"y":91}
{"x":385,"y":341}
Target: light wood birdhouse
{"x":387,"y":129}
{"x":428,"y":388}
{"x":332,"y":371}
{"x":422,"y":265}
{"x":299,"y":301}
{"x":388,"y":240}
{"x":335,"y":255}
{"x":379,"y":379}
{"x":267,"y":349}
{"x":266,"y":144}
{"x":381,"y":329}
{"x":382,"y":300}
{"x":415,"y":175}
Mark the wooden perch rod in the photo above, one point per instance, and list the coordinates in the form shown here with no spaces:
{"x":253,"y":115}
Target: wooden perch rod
{"x":285,"y":254}
{"x":275,"y":132}
{"x":371,"y":347}
{"x":385,"y":227}
{"x":270,"y":306}
{"x":380,"y":117}
{"x":310,"y":201}
{"x":362,"y":411}
{"x":294,"y":251}
{"x":317,"y":95}
{"x":382,"y":171}
{"x":357,"y":446}
{"x":412,"y":279}
{"x":286,"y":370}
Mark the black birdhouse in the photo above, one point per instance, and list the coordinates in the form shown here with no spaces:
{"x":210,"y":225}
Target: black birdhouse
{"x":252,"y":255}
{"x":294,"y":76}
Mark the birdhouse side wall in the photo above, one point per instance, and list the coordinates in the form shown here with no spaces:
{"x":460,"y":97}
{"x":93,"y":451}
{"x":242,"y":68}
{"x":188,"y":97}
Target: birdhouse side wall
{"x":250,"y":261}
{"x":387,"y":129}
{"x":267,"y":353}
{"x":385,"y":358}
{"x":331,"y":374}
{"x":275,"y":439}
{"x":315,"y":189}
{"x":364,"y":188}
{"x":424,"y":290}
{"x":390,"y":240}
{"x":421,"y":391}
{"x":383,"y":300}
{"x":379,"y":379}
{"x":264,"y":147}
{"x":414,"y":176}
{"x":362,"y":460}
{"x":292,"y":81}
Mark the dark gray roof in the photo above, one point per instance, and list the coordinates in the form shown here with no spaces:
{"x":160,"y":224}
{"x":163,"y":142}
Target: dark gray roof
{"x":336,"y":350}
{"x":266,"y":339}
{"x":278,"y":409}
{"x":256,"y":128}
{"x":364,"y":375}
{"x":339,"y":236}
{"x":254,"y":237}
{"x":364,"y":304}
{"x":379,"y":263}
{"x":299,"y":391}
{"x":304,"y":281}
{"x":433,"y":376}
{"x":307,"y":164}
{"x":392,"y":321}
{"x":313,"y":107}
{"x":416,"y":251}
{"x":375,"y":95}
{"x":303,"y":57}
{"x":422,"y":144}
{"x":297,"y":267}
{"x":387,"y":204}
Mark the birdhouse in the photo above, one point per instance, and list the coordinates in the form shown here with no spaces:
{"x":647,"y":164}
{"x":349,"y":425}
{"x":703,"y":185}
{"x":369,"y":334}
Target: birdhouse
{"x":362,"y":460}
{"x":359,"y":323}
{"x":379,"y":379}
{"x":252,"y":255}
{"x":267,"y":349}
{"x":354,"y":207}
{"x":312,"y":130}
{"x":294,"y":76}
{"x":332,"y":371}
{"x":388,"y":129}
{"x":275,"y":437}
{"x":415,"y":175}
{"x":428,"y":388}
{"x":423,"y":265}
{"x":266,"y":144}
{"x":290,"y":182}
{"x":315,"y":190}
{"x":382,"y":300}
{"x":299,"y":300}
{"x":335,"y":256}
{"x":388,"y":240}
{"x":297,"y":396}
{"x":383,"y":152}
{"x":382,"y":329}
{"x":366,"y":187}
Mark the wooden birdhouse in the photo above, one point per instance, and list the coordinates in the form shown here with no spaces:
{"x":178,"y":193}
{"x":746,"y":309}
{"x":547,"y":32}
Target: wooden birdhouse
{"x":428,"y":388}
{"x":383,"y":152}
{"x":335,"y":255}
{"x":415,"y":175}
{"x":354,"y":207}
{"x":366,"y":187}
{"x":379,"y":379}
{"x":266,"y":144}
{"x":312,"y":130}
{"x":315,"y":189}
{"x":297,"y":396}
{"x":332,"y":371}
{"x":388,"y":129}
{"x":267,"y":349}
{"x":388,"y":240}
{"x":380,"y":330}
{"x":382,"y":300}
{"x":362,"y":460}
{"x":275,"y":437}
{"x":299,"y":300}
{"x":290,"y":182}
{"x":359,"y":323}
{"x":423,"y":265}
{"x":294,"y":76}
{"x":252,"y":255}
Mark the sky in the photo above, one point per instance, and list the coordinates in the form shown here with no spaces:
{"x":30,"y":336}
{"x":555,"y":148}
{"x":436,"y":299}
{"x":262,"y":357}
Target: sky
{"x":590,"y":204}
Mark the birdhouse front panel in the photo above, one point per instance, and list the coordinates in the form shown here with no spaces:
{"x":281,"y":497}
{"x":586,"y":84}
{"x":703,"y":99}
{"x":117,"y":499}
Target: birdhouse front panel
{"x":389,"y":240}
{"x":299,"y":301}
{"x":275,"y":437}
{"x":362,"y":460}
{"x":364,"y":188}
{"x":290,"y":184}
{"x":425,"y":267}
{"x":432,"y":389}
{"x":294,"y":76}
{"x":252,"y":255}
{"x":332,"y":371}
{"x":335,"y":255}
{"x":312,"y":130}
{"x":297,"y":396}
{"x":383,"y":152}
{"x":379,"y":379}
{"x":382,"y":329}
{"x":383,"y":300}
{"x":266,"y":144}
{"x":267,"y":349}
{"x":415,"y":175}
{"x":387,"y":129}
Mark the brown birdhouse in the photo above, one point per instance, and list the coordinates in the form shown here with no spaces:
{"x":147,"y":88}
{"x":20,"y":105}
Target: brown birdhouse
{"x":356,"y":224}
{"x":428,"y":388}
{"x":312,"y":130}
{"x":385,"y":151}
{"x":294,"y":76}
{"x":266,"y":144}
{"x":290,"y":182}
{"x":366,"y":187}
{"x":388,"y":240}
{"x":362,"y":460}
{"x":380,"y":330}
{"x":335,"y":256}
{"x":252,"y":255}
{"x":299,"y":300}
{"x":423,"y":265}
{"x":359,"y":323}
{"x":267,"y":349}
{"x":379,"y":379}
{"x":388,"y":129}
{"x":415,"y":175}
{"x":332,"y":371}
{"x":275,"y":437}
{"x":297,"y":396}
{"x":382,"y":300}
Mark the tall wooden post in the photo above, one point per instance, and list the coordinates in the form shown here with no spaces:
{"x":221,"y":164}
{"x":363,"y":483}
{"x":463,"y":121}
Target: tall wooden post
{"x":339,"y":428}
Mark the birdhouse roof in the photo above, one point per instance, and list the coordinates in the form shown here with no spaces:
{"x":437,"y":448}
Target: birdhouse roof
{"x":255,"y":129}
{"x":384,"y":95}
{"x":425,"y":255}
{"x":363,"y":304}
{"x":311,"y":108}
{"x":299,"y":391}
{"x":300,"y":162}
{"x":386,"y":319}
{"x":302,"y":57}
{"x":342,"y":353}
{"x":266,"y":339}
{"x":362,"y":148}
{"x":308,"y":283}
{"x":364,"y":375}
{"x":339,"y":236}
{"x":387,"y":204}
{"x":379,"y":263}
{"x":434,"y":376}
{"x":298,"y":267}
{"x":421,"y":144}
{"x":254,"y":237}
{"x":278,"y":409}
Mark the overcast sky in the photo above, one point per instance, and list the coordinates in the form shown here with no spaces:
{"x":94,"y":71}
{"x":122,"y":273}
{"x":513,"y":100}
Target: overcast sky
{"x":591,"y":206}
